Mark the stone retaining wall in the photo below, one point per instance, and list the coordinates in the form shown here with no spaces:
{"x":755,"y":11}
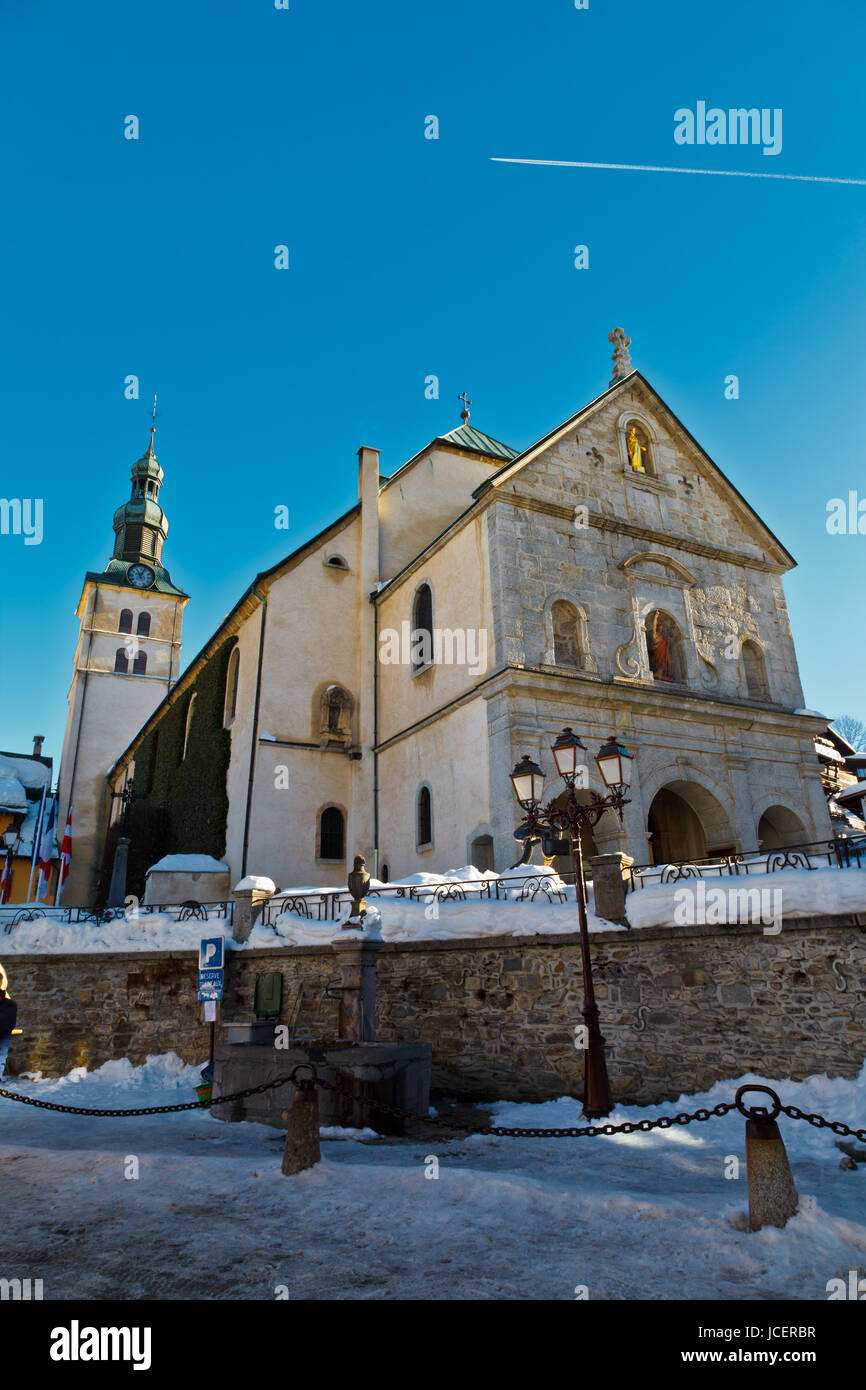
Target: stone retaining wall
{"x":681,"y":1007}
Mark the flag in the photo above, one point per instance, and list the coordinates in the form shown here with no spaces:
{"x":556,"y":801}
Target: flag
{"x":6,"y":880}
{"x":65,"y":854}
{"x":37,"y":834}
{"x":46,"y":850}
{"x":37,"y":840}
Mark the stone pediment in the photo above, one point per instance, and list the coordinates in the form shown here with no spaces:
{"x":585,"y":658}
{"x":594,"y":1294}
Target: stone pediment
{"x":681,"y":479}
{"x":650,"y":564}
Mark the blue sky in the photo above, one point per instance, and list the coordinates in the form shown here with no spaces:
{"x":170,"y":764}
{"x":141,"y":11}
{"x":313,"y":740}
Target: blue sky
{"x":410,"y":257}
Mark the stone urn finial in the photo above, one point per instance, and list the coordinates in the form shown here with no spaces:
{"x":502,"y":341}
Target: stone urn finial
{"x":358,"y":882}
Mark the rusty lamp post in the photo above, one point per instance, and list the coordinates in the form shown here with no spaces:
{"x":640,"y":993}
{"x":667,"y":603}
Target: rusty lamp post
{"x":614,"y":764}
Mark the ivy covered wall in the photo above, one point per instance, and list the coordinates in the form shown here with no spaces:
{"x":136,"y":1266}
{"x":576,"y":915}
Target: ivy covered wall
{"x":184,"y":804}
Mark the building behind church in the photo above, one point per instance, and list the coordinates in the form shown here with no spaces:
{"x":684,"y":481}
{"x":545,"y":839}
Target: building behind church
{"x":372,"y":692}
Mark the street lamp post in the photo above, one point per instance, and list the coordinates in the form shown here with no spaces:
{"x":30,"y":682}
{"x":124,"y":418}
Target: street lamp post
{"x":614,"y":764}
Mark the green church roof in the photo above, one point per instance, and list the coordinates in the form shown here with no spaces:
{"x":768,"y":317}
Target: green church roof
{"x":115,"y":573}
{"x":468,"y":437}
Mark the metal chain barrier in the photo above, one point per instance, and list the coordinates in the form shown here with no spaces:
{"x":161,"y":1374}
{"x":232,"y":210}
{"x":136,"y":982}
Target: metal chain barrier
{"x":757,"y":1112}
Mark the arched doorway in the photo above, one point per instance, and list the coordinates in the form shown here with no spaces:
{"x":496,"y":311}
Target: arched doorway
{"x":778,"y":828}
{"x":686,"y":822}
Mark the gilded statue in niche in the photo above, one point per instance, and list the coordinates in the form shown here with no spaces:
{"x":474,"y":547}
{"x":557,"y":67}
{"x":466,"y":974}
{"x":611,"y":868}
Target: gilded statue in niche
{"x":637,"y":450}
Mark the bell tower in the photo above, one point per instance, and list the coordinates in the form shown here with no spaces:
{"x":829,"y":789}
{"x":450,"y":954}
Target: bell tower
{"x":127,"y":658}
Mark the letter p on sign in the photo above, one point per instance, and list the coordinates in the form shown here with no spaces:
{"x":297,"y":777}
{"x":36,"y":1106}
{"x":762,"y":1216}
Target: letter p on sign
{"x":211,"y":954}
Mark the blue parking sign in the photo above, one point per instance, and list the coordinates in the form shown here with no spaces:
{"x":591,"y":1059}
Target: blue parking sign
{"x":210,"y":953}
{"x":211,"y":959}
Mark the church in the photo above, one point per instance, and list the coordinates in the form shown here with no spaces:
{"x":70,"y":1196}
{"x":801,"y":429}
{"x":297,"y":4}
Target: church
{"x":477,"y":600}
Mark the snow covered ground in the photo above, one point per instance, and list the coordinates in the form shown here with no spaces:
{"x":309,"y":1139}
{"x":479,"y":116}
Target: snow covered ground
{"x":210,"y":1215}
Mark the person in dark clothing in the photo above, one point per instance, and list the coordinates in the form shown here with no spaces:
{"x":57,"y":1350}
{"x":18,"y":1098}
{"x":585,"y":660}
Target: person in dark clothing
{"x":8,"y":1016}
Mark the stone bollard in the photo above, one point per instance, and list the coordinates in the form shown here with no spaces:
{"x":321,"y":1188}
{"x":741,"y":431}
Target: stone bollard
{"x":608,"y":873}
{"x":773,"y":1198}
{"x":302,"y":1149}
{"x":248,"y":897}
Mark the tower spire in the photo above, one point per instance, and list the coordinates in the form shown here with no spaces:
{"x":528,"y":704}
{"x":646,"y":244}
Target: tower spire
{"x":152,"y":426}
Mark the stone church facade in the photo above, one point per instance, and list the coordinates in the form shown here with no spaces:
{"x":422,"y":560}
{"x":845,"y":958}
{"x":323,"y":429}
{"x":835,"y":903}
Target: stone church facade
{"x":609,"y":578}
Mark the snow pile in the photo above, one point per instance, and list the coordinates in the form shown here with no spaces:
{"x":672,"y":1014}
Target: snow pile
{"x":162,"y":1075}
{"x":789,"y":893}
{"x":139,"y":931}
{"x":188,"y":864}
{"x":263,"y":885}
{"x":400,"y":919}
{"x":28,"y":771}
{"x":13,"y":797}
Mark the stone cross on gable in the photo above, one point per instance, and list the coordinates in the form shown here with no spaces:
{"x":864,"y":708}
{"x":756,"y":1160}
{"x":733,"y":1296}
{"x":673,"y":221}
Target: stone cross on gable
{"x":621,"y":359}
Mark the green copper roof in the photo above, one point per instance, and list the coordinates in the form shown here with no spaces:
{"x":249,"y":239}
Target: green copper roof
{"x":468,"y":437}
{"x":115,"y":573}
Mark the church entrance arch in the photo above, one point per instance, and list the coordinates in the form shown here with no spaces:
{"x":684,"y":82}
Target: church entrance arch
{"x":778,"y":828}
{"x":686,"y":822}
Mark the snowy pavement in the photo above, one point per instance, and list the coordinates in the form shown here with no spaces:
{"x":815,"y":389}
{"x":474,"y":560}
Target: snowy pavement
{"x":210,"y":1215}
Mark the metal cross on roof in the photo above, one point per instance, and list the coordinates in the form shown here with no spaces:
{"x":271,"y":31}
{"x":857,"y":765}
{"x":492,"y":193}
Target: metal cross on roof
{"x":153,"y":422}
{"x":464,"y":414}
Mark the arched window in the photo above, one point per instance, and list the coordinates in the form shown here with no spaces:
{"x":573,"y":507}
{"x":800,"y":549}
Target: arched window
{"x":424,"y":819}
{"x":232,"y":676}
{"x":190,"y":713}
{"x":566,"y":634}
{"x":664,"y":647}
{"x":638,"y":448}
{"x":125,"y":624}
{"x":422,"y":628}
{"x":139,"y":665}
{"x":755,"y":669}
{"x":121,"y":662}
{"x":332,"y":834}
{"x":142,"y":627}
{"x":336,"y":562}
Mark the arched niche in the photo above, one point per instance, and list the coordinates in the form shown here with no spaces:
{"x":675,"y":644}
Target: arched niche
{"x":664,"y":644}
{"x":566,"y":634}
{"x":333,"y":710}
{"x":637,"y":439}
{"x":754,"y":670}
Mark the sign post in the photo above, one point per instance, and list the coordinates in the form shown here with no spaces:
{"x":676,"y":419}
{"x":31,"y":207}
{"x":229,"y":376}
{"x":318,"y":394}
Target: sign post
{"x":211,"y":974}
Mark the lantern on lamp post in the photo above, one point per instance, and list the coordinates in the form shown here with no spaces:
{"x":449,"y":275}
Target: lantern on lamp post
{"x":614,"y":764}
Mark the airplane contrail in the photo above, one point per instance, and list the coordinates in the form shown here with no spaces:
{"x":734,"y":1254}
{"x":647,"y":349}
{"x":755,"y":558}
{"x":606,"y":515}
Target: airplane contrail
{"x":673,"y":169}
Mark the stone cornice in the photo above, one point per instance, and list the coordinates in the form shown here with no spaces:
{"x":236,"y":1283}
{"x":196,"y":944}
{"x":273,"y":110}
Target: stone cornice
{"x":645,"y":699}
{"x":524,"y":502}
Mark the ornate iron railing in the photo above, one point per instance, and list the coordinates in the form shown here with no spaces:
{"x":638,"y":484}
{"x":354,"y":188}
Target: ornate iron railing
{"x":327,"y":906}
{"x":13,"y":914}
{"x":848,"y":853}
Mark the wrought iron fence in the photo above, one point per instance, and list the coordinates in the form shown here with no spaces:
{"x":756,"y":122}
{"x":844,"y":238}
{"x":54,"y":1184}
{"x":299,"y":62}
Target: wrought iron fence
{"x":12,"y":915}
{"x":848,"y":853}
{"x":326,"y":906}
